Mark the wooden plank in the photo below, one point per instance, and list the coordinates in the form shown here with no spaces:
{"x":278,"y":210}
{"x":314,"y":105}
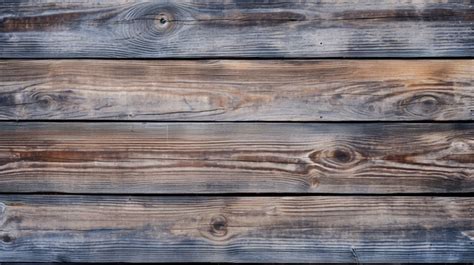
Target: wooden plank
{"x":217,"y":28}
{"x":236,"y":229}
{"x":236,"y":157}
{"x":263,"y":90}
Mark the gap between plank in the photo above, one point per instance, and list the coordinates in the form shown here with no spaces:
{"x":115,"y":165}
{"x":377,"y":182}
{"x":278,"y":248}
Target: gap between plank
{"x":238,"y":121}
{"x":239,"y":58}
{"x":253,"y":194}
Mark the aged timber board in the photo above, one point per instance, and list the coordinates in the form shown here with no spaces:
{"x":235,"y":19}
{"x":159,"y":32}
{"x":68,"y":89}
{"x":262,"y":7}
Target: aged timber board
{"x":236,"y":229}
{"x":196,"y":29}
{"x":161,"y":158}
{"x":230,"y":90}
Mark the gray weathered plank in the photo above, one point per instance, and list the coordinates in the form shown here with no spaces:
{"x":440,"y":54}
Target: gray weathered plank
{"x":236,"y":229}
{"x":160,"y":29}
{"x":264,"y":90}
{"x":236,"y":157}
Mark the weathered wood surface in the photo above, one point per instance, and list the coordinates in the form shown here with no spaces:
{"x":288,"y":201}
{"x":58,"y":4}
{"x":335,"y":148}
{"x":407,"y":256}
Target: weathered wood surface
{"x":160,"y":29}
{"x":236,"y":157}
{"x":231,"y":229}
{"x":265,"y":90}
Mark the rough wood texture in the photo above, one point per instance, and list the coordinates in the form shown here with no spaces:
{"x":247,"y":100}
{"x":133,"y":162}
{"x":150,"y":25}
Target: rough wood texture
{"x":272,"y":90}
{"x":231,"y":229}
{"x":159,"y":29}
{"x":236,"y":157}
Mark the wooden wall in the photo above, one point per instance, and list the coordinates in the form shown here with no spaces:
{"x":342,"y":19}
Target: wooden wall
{"x":236,"y":131}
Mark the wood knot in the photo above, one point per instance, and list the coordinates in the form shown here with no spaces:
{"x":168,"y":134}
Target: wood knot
{"x":51,"y":101}
{"x":337,"y":157}
{"x":218,"y":226}
{"x":45,"y":102}
{"x":460,"y":147}
{"x":313,"y":182}
{"x":422,"y":105}
{"x":163,"y":22}
{"x":6,"y":238}
{"x":342,"y":155}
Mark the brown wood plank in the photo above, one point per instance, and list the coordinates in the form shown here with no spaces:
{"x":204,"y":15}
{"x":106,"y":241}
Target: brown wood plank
{"x":161,"y":29}
{"x":236,"y":157}
{"x":264,"y":90}
{"x":236,"y":229}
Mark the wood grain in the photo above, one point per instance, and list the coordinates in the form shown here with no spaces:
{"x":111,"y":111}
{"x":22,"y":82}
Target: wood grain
{"x":162,"y":29}
{"x":236,"y":229}
{"x":236,"y":157}
{"x":219,"y":90}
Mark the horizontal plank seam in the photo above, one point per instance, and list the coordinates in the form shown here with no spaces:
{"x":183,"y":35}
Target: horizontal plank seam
{"x":248,"y":58}
{"x":250,"y":194}
{"x":237,"y":121}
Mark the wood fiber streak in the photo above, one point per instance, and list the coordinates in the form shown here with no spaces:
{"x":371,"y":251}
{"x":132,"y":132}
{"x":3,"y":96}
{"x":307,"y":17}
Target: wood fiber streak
{"x":266,"y":90}
{"x":236,"y":229}
{"x":236,"y":157}
{"x":161,"y":29}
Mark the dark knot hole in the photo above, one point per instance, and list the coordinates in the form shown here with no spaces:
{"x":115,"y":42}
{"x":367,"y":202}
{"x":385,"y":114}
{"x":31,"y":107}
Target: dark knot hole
{"x":6,"y":238}
{"x":342,"y":156}
{"x":219,"y":226}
